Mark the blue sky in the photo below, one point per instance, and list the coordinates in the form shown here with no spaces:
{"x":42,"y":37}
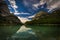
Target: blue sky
{"x":26,"y":9}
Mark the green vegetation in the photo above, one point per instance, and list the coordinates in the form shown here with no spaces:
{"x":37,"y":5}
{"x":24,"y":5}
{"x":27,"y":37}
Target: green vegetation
{"x":9,"y":20}
{"x":46,"y":32}
{"x":45,"y":18}
{"x":6,"y":18}
{"x":8,"y":31}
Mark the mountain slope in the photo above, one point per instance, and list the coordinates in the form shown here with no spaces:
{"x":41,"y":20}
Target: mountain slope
{"x":45,"y":18}
{"x":5,"y":16}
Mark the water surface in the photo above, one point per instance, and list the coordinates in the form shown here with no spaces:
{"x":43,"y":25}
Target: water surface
{"x":29,"y":32}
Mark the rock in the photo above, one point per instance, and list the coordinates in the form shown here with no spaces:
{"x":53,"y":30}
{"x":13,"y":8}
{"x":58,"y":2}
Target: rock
{"x":5,"y":16}
{"x":46,"y":18}
{"x":40,"y":14}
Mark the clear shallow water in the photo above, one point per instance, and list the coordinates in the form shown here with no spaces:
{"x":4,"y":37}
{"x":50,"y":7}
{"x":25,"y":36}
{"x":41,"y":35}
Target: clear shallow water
{"x":42,"y":32}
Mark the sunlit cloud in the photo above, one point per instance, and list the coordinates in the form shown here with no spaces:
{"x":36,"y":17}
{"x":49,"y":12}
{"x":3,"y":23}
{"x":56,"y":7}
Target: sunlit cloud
{"x":31,"y":16}
{"x":51,"y":4}
{"x":16,"y":13}
{"x":54,"y":5}
{"x":38,"y":4}
{"x":23,"y":20}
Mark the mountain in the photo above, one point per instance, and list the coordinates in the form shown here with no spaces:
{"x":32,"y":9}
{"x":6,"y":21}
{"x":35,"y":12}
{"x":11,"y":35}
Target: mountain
{"x":5,"y":16}
{"x":40,"y":14}
{"x":46,"y":18}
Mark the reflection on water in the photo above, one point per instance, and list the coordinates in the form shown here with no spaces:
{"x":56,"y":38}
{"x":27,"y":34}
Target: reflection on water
{"x":7,"y":31}
{"x":25,"y":29}
{"x":42,"y":32}
{"x":24,"y":33}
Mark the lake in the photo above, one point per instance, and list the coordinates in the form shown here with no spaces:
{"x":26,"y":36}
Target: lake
{"x":29,"y":32}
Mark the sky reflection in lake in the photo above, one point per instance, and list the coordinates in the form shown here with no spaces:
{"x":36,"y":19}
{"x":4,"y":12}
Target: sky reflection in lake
{"x":24,"y":32}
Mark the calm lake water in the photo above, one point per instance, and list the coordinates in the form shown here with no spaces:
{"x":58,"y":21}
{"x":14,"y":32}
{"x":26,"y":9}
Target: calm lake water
{"x":42,"y":32}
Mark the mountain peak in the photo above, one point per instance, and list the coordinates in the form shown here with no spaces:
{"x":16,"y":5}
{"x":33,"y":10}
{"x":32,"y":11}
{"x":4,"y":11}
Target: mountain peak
{"x":40,"y":15}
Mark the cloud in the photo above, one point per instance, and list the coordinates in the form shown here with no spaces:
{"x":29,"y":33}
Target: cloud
{"x":13,"y":4}
{"x":38,"y":4}
{"x":34,"y":4}
{"x":31,"y":16}
{"x":53,"y":4}
{"x":19,"y":13}
{"x":11,"y":12}
{"x":16,"y":13}
{"x":30,"y":4}
{"x":41,"y":2}
{"x":23,"y":20}
{"x":25,"y":13}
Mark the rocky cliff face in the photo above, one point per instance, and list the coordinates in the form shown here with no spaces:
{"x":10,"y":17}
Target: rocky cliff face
{"x":5,"y":16}
{"x":4,"y":11}
{"x":45,"y":18}
{"x":40,"y":14}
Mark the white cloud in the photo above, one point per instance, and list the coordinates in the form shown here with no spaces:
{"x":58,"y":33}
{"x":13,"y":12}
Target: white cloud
{"x":23,"y":20}
{"x":54,"y":5}
{"x":42,"y":2}
{"x":18,"y":13}
{"x":13,"y":4}
{"x":11,"y":12}
{"x":31,"y":16}
{"x":38,"y":4}
{"x":25,"y":13}
{"x":51,"y":4}
{"x":31,"y":4}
